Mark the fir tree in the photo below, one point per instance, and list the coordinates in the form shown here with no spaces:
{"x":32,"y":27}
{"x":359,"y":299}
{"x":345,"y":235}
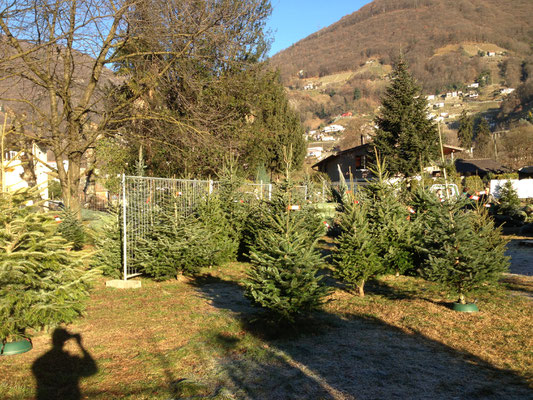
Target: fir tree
{"x":221,"y":238}
{"x":42,"y":283}
{"x":285,"y":261}
{"x":465,"y":133}
{"x":509,"y":203}
{"x":71,"y":229}
{"x":356,"y":257}
{"x":389,"y":221}
{"x":108,"y":245}
{"x":405,"y":136}
{"x":483,"y":147}
{"x":232,"y":203}
{"x":175,"y":244}
{"x":460,"y":248}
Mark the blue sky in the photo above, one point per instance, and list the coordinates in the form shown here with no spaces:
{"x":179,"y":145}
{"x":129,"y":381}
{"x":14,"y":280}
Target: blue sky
{"x":292,"y":20}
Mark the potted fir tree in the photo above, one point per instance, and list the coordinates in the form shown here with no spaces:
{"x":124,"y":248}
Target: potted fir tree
{"x":42,"y":282}
{"x":461,"y":248}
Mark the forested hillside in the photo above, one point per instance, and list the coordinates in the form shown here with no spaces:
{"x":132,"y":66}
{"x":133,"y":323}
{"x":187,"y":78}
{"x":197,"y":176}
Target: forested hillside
{"x":437,"y":37}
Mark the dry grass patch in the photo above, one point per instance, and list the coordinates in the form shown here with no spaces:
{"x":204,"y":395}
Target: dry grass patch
{"x":192,"y":339}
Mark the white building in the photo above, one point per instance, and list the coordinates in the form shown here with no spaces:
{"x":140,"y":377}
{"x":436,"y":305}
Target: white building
{"x":13,"y":171}
{"x":333,"y":128}
{"x":315,"y":152}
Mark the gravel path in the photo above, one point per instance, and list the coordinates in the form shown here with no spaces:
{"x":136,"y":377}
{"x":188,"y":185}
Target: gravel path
{"x":521,"y":257}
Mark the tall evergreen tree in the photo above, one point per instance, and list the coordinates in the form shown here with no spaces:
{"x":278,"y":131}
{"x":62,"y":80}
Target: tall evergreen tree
{"x":466,"y":130}
{"x":405,"y":137}
{"x":483,"y":146}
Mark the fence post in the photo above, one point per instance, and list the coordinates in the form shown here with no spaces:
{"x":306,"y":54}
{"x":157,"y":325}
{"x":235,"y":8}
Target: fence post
{"x":261,"y":186}
{"x":269,"y":191}
{"x":323,"y":191}
{"x":124,"y":238}
{"x":305,"y":196}
{"x":210,"y":186}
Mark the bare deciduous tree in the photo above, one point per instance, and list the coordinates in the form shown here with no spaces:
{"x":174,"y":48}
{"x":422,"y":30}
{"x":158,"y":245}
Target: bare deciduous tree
{"x":55,"y":53}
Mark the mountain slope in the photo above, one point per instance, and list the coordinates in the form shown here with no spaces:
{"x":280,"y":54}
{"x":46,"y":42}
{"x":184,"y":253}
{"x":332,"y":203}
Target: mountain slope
{"x":437,"y":37}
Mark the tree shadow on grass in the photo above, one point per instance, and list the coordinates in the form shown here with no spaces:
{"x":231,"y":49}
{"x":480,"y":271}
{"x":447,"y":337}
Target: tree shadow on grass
{"x":358,"y":357}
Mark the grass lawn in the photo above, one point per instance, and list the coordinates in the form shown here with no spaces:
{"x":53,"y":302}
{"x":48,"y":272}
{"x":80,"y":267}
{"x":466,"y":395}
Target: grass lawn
{"x":193,"y":339}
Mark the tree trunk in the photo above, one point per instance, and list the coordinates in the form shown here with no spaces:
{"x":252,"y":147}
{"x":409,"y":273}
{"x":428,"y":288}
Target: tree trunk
{"x":70,"y":183}
{"x":361,"y":288}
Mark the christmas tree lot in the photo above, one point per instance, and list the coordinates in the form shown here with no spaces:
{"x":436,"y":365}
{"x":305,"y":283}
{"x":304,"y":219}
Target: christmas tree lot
{"x":42,"y":281}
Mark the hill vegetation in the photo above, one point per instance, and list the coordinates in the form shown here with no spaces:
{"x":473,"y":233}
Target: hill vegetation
{"x":442,"y":41}
{"x":340,"y":73}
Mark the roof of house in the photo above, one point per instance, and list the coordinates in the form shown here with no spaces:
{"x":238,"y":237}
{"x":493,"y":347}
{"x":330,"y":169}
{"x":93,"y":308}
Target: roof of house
{"x":484,"y":165}
{"x":447,"y":150}
{"x":526,"y":170}
{"x":339,"y":153}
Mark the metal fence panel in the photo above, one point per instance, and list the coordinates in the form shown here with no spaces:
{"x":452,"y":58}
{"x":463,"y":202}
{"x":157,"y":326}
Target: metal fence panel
{"x":142,"y":199}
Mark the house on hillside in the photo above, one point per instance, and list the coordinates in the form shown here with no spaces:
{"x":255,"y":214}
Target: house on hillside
{"x":473,"y":85}
{"x":354,"y":160}
{"x":315,"y":151}
{"x":480,"y":167}
{"x":347,"y":114}
{"x":507,"y":90}
{"x":351,"y":160}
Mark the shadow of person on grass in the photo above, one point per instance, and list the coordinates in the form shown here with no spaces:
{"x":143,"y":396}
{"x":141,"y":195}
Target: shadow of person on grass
{"x":58,"y":373}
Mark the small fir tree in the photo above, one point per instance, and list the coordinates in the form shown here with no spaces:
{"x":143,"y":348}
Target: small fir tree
{"x":108,"y":245}
{"x":235,"y":209}
{"x":221,"y":238}
{"x":285,"y":261}
{"x":72,"y":229}
{"x":175,"y":244}
{"x":356,"y":257}
{"x":459,"y":248}
{"x":389,"y":221}
{"x":509,"y":203}
{"x":42,"y":283}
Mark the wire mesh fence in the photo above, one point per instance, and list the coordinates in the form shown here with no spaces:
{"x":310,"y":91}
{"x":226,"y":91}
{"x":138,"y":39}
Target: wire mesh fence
{"x":142,"y":200}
